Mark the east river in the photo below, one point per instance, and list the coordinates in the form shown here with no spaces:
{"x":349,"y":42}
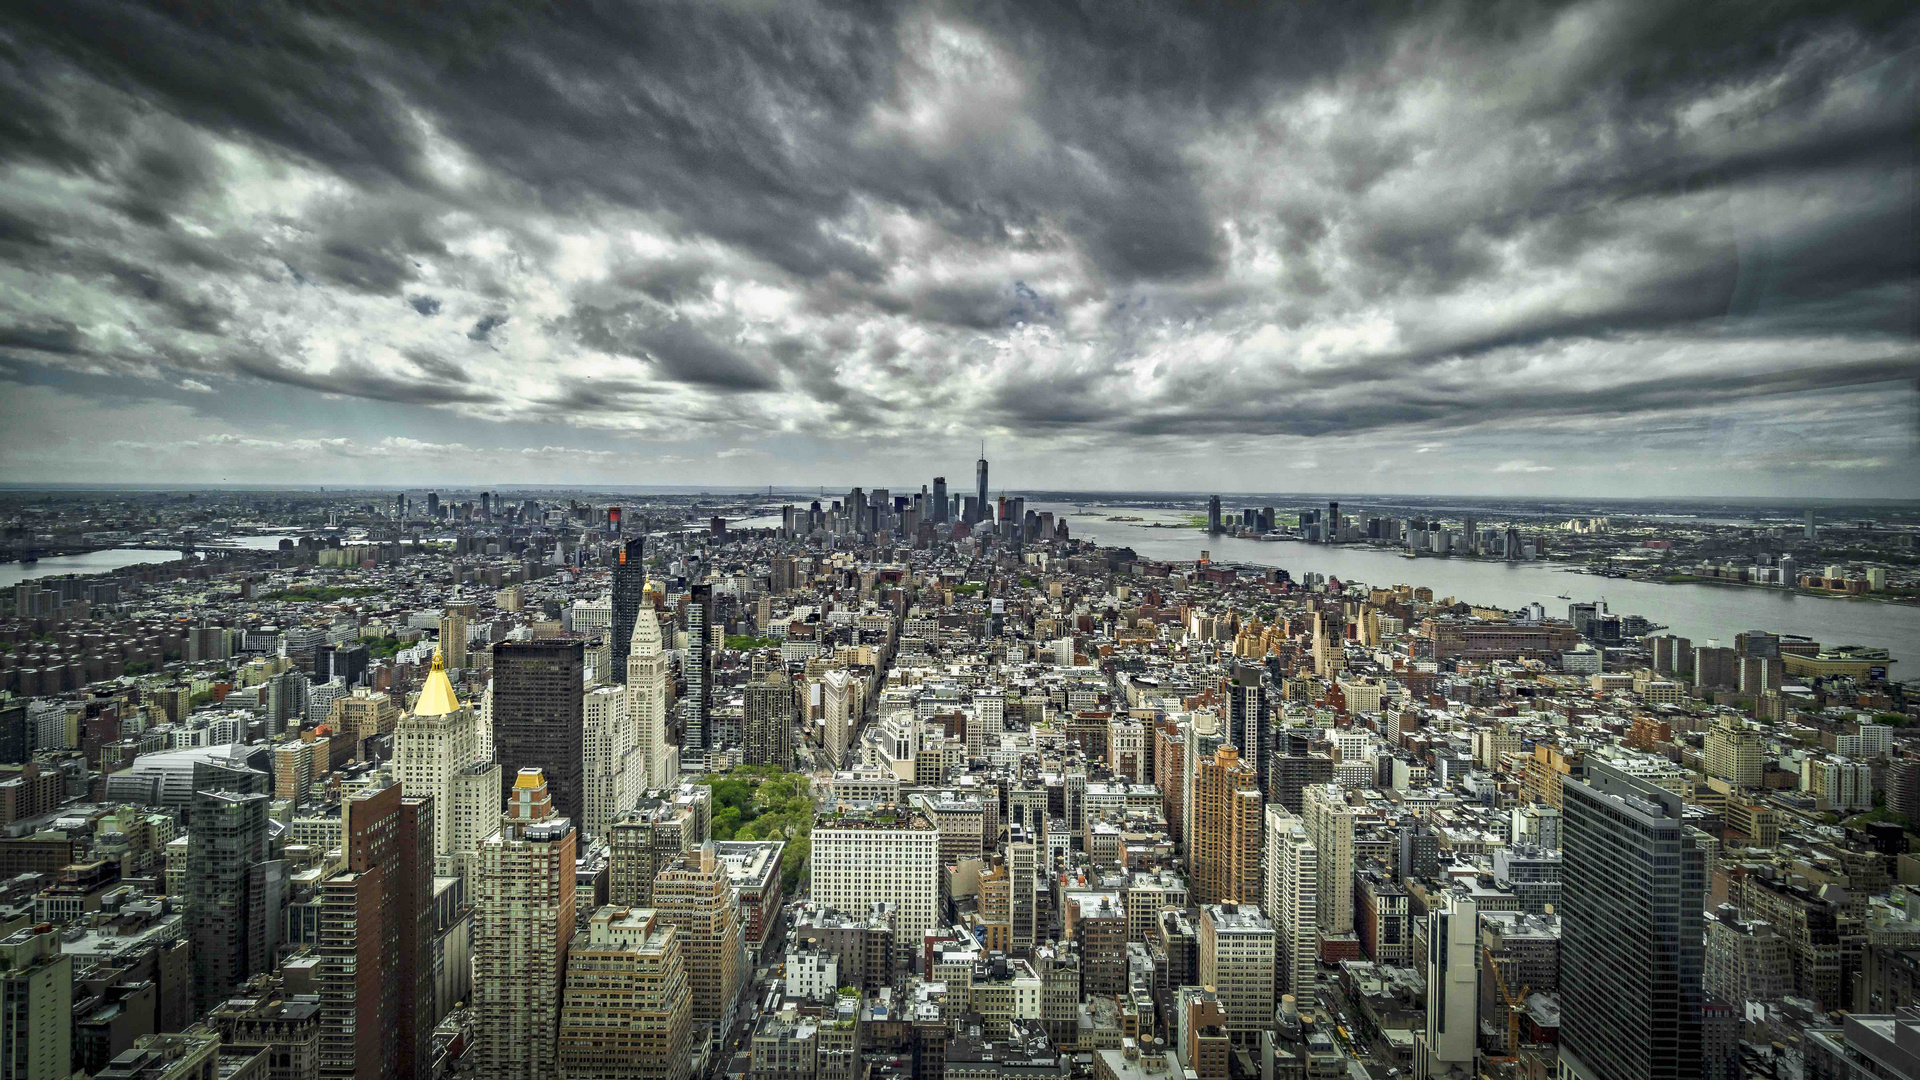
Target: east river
{"x":1699,"y":612}
{"x":108,"y":559}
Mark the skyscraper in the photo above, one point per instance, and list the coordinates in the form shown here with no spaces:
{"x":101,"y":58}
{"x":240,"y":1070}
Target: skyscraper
{"x":1249,"y":717}
{"x":647,"y":700}
{"x":453,"y":637}
{"x":1330,"y":826}
{"x":1225,"y":855}
{"x":1236,"y":961}
{"x":698,"y":669}
{"x":611,"y":758}
{"x":537,"y":717}
{"x":1331,"y":534}
{"x":375,"y":943}
{"x":234,"y":892}
{"x":1446,"y":1045}
{"x":627,"y":1011}
{"x":942,"y":505}
{"x":1213,"y":514}
{"x":523,"y":918}
{"x":859,"y":861}
{"x":1023,"y":880}
{"x":1329,"y":642}
{"x":781,"y":574}
{"x":769,"y":721}
{"x":1631,"y":952}
{"x":1203,"y":735}
{"x":437,"y":755}
{"x":1292,"y":869}
{"x":1292,"y":767}
{"x":1733,"y":752}
{"x":694,"y":896}
{"x":980,"y":484}
{"x":836,"y":708}
{"x":629,"y":592}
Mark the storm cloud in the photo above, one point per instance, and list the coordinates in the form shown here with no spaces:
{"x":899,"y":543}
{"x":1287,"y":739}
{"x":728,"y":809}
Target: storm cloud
{"x":1147,"y":240}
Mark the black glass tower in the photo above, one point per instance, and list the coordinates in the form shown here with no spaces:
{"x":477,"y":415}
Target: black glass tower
{"x":698,"y":667}
{"x":980,"y":485}
{"x":1631,"y":952}
{"x":629,"y":591}
{"x":539,"y":719}
{"x":1250,"y":716}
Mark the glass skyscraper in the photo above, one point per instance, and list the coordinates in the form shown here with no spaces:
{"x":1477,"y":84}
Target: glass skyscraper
{"x":629,"y":589}
{"x":1631,"y":952}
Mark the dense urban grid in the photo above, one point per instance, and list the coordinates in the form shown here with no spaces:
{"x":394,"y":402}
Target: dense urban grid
{"x":925,"y":787}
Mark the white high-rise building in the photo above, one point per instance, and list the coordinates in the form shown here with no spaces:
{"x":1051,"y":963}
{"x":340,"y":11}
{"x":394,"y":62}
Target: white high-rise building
{"x":859,"y":862}
{"x":987,"y":721}
{"x":1446,"y":1047}
{"x":1330,"y":826}
{"x":1293,"y":885}
{"x":437,"y":755}
{"x":610,"y":757}
{"x":1127,"y":748}
{"x":1848,"y":785}
{"x":486,"y":722}
{"x":646,"y":704}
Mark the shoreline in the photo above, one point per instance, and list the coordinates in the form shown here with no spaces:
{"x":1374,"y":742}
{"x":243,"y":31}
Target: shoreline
{"x":1812,"y":594}
{"x":1584,"y":570}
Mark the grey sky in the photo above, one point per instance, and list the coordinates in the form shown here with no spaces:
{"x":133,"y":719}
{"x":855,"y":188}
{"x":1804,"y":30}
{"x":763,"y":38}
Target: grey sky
{"x":1600,"y":248}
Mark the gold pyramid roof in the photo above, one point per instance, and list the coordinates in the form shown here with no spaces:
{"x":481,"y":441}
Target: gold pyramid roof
{"x":436,"y":697}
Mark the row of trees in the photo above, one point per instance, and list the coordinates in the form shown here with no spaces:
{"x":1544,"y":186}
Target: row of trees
{"x":765,"y":802}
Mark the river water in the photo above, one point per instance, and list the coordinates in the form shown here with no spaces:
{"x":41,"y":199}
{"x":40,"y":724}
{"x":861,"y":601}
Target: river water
{"x":1699,"y":612}
{"x":106,"y":559}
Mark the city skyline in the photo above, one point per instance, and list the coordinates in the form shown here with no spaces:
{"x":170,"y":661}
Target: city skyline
{"x":363,"y":792}
{"x":960,"y":540}
{"x":1658,"y":245}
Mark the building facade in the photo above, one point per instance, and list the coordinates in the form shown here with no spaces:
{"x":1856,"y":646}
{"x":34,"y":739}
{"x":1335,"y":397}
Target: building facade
{"x":1631,"y":945}
{"x":538,"y":721}
{"x":523,"y":919}
{"x":861,"y":861}
{"x":627,"y":1013}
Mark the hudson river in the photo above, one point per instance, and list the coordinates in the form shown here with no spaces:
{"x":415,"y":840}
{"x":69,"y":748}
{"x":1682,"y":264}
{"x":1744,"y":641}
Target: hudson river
{"x":1699,"y":612}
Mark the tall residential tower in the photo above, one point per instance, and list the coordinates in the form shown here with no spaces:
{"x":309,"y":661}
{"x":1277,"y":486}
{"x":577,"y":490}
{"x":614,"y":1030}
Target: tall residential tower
{"x":523,"y":919}
{"x":629,"y":592}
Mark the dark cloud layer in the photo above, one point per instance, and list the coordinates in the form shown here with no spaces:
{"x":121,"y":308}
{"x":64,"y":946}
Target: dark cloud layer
{"x":1102,"y":227}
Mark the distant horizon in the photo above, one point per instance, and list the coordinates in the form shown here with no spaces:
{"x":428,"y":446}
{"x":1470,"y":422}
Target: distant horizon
{"x":833,"y":490}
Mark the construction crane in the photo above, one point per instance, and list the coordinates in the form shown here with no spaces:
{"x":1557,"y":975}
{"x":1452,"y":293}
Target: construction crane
{"x":1513,"y":1004}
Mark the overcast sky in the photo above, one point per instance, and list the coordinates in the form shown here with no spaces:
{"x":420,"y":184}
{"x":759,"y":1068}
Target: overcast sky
{"x":1602,"y":248}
